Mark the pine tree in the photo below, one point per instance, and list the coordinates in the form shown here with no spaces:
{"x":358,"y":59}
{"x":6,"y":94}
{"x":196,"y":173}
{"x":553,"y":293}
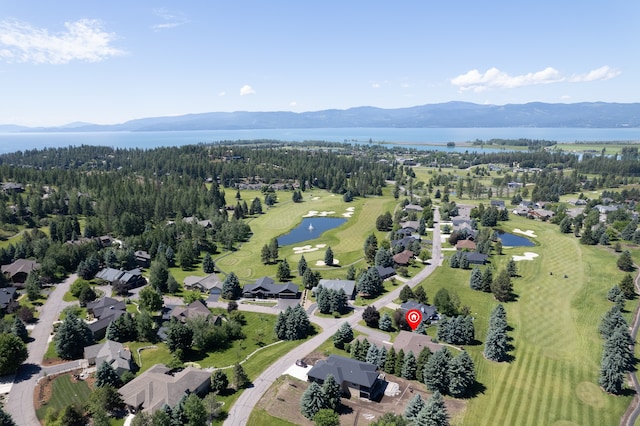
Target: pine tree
{"x":611,"y":321}
{"x":435,"y":371}
{"x":495,"y":346}
{"x":265,"y":255}
{"x":406,"y":294}
{"x":208,"y":266}
{"x":18,"y":329}
{"x":372,"y":354}
{"x":302,"y":266}
{"x":502,"y":286}
{"x":371,"y":316}
{"x":414,"y":406}
{"x":107,"y":376}
{"x":219,"y":381}
{"x":328,"y":256}
{"x":312,"y":401}
{"x":385,"y":323}
{"x":625,"y":262}
{"x":461,"y":375}
{"x":487,"y":280}
{"x":423,"y":357}
{"x":284,"y":271}
{"x":355,"y":348}
{"x":390,"y":362}
{"x":240,"y":378}
{"x":613,"y":293}
{"x":72,"y":337}
{"x":420,"y":295}
{"x":231,"y":287}
{"x":475,"y":281}
{"x":361,"y":355}
{"x":627,"y":287}
{"x":382,"y":357}
{"x":331,"y":392}
{"x":343,"y":335}
{"x":397,"y":370}
{"x":611,"y":374}
{"x":409,"y":367}
{"x":434,"y":412}
{"x":512,"y":269}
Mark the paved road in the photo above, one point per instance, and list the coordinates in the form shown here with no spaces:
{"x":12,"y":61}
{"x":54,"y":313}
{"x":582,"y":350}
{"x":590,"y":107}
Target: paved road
{"x":20,"y":403}
{"x":240,"y":411}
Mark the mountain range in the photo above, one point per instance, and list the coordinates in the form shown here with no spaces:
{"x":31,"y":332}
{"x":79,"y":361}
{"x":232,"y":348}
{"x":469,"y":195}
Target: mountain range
{"x":445,"y":115}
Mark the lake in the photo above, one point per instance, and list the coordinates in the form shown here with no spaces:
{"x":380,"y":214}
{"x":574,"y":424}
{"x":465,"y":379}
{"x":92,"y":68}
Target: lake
{"x":416,"y":138}
{"x":309,"y":229}
{"x":512,"y":240}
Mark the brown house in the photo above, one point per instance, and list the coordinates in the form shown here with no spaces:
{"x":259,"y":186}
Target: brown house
{"x":465,"y":245}
{"x":17,"y":271}
{"x":403,"y":258}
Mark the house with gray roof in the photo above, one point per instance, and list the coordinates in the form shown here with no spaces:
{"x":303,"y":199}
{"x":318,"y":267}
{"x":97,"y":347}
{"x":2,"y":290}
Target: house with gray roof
{"x":210,"y":284}
{"x":8,"y":297}
{"x":349,"y":287}
{"x":103,"y":311}
{"x":414,"y":342}
{"x":266,"y":287}
{"x":354,"y":377}
{"x":197,"y":308}
{"x":132,"y":278}
{"x":160,"y":386}
{"x":111,"y":352}
{"x":385,"y":271}
{"x":476,"y":258}
{"x":429,"y":312}
{"x":17,"y":271}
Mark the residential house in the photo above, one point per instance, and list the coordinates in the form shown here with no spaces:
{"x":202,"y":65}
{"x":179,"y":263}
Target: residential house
{"x":132,"y":278}
{"x":17,"y":271}
{"x":429,"y":312}
{"x":206,"y":223}
{"x":8,"y":297}
{"x":354,"y":377}
{"x":160,"y":386}
{"x":265,"y":287}
{"x":403,"y":258}
{"x":194,"y":309}
{"x":385,"y":271}
{"x":465,"y":245}
{"x":349,"y":287}
{"x":101,"y":312}
{"x":542,"y":214}
{"x":12,"y":187}
{"x":414,"y":342}
{"x":143,"y":259}
{"x":210,"y":284}
{"x":475,"y":258}
{"x":411,"y":225}
{"x":405,"y":242}
{"x":413,"y":207}
{"x":499,"y":204}
{"x":106,"y":240}
{"x":111,"y":352}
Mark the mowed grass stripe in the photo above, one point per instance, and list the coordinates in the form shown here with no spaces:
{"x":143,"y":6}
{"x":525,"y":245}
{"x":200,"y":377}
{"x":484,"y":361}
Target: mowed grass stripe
{"x":535,"y":378}
{"x":513,"y":400}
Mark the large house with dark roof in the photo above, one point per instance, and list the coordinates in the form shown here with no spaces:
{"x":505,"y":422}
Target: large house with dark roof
{"x":17,"y":271}
{"x":349,"y":287}
{"x":385,"y":271}
{"x":210,"y":284}
{"x":354,"y":377}
{"x":132,"y":278}
{"x":197,"y":308}
{"x":403,"y":258}
{"x":111,"y":352}
{"x":266,"y":287}
{"x":103,"y":311}
{"x":8,"y":297}
{"x":429,"y":312}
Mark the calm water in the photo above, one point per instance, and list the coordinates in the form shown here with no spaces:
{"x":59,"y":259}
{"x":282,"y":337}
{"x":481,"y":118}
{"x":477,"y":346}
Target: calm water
{"x":309,"y":229}
{"x":428,"y":139}
{"x":512,"y":240}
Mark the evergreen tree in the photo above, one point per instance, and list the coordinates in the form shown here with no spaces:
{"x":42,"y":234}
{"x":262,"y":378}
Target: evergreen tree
{"x":512,"y":269}
{"x":423,"y":357}
{"x":150,"y":299}
{"x":208,"y":266}
{"x":326,"y":416}
{"x":158,"y":275}
{"x":435,"y":371}
{"x":6,"y":419}
{"x":107,"y":376}
{"x":328,"y":256}
{"x":372,"y":354}
{"x":343,"y":335}
{"x":13,"y":352}
{"x":397,"y":370}
{"x":502,"y":286}
{"x":370,"y":248}
{"x":383,"y":258}
{"x":390,"y":362}
{"x":311,"y":279}
{"x":179,"y":338}
{"x":625,"y":262}
{"x":612,"y":373}
{"x":302,"y":266}
{"x":495,"y":346}
{"x":240,"y":378}
{"x":219,"y":381}
{"x":487,"y":280}
{"x":284,"y":271}
{"x":409,"y":367}
{"x":194,"y":411}
{"x":20,"y":330}
{"x":414,"y":406}
{"x":312,"y":401}
{"x":475,"y":281}
{"x":406,"y":294}
{"x":627,"y":287}
{"x":231,"y":287}
{"x":72,"y":337}
{"x":611,"y":321}
{"x":273,"y":249}
{"x":351,"y":272}
{"x":385,"y":323}
{"x":265,"y":255}
{"x":420,"y":295}
{"x":434,"y":412}
{"x":382,"y":357}
{"x":361,"y":355}
{"x":461,"y":375}
{"x":629,"y":230}
{"x":355,"y":348}
{"x":369,"y":283}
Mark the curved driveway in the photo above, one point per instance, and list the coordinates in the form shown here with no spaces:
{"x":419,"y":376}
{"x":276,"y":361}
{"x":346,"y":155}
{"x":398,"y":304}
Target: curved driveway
{"x":20,"y":403}
{"x":241,"y":409}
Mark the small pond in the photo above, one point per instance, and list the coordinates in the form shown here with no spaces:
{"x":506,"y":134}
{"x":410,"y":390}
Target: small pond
{"x":512,"y":240}
{"x":309,"y":229}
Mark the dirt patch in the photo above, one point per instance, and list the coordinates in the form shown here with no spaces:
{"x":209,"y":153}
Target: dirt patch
{"x":283,"y":400}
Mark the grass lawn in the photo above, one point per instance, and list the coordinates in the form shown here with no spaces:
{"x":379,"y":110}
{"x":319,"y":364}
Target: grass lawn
{"x":553,"y":377}
{"x":260,"y":417}
{"x":65,"y":392}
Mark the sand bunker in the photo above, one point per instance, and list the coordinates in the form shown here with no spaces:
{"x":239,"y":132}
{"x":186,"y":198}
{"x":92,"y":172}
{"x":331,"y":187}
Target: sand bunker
{"x":321,"y":262}
{"x":308,"y":248}
{"x":349,"y":212}
{"x":313,"y":213}
{"x":526,"y":256}
{"x":315,"y":198}
{"x":528,"y":233}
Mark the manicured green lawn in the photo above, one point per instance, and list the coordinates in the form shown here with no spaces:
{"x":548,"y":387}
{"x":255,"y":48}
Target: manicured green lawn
{"x":557,"y":349}
{"x":64,"y":393}
{"x":260,"y":417}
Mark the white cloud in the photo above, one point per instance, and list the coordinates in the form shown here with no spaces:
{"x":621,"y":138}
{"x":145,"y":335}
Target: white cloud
{"x":222,"y":93}
{"x":375,"y":85}
{"x":83,"y":40}
{"x":493,"y":78}
{"x":602,"y":73}
{"x":293,"y":103}
{"x":172,"y":20}
{"x":247,"y":90}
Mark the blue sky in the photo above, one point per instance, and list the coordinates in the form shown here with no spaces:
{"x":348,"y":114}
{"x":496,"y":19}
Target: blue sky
{"x":112,"y":61}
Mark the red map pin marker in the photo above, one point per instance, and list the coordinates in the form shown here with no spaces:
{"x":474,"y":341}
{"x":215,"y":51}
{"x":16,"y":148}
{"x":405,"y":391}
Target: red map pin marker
{"x":414,"y":318}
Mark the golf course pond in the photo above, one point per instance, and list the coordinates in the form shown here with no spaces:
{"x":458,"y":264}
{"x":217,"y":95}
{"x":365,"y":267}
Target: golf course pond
{"x":512,"y":240}
{"x":310,"y":228}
